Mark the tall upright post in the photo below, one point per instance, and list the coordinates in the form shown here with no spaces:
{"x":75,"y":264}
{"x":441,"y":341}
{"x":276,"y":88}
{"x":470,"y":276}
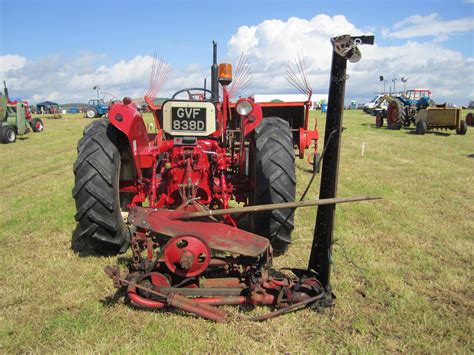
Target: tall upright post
{"x":345,"y":48}
{"x":214,"y":79}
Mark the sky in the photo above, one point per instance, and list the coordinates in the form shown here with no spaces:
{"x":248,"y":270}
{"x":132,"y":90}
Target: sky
{"x":58,"y":50}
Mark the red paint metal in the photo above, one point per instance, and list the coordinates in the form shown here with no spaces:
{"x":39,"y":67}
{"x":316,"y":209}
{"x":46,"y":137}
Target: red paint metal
{"x":187,"y":256}
{"x":199,"y":308}
{"x":218,"y":236}
{"x":223,"y":282}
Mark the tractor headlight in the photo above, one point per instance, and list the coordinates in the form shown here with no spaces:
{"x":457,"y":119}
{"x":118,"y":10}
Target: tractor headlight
{"x":244,"y":107}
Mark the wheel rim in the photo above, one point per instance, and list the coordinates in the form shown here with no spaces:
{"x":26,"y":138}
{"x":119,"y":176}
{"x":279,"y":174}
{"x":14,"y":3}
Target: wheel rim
{"x":39,"y":126}
{"x":90,"y":114}
{"x":11,"y":135}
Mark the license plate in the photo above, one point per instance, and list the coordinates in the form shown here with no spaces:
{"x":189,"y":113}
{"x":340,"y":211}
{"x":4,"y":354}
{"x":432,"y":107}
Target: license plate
{"x":189,"y":119}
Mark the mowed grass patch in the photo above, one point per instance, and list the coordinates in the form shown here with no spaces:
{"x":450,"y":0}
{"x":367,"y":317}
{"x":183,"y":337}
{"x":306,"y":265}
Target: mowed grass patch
{"x":402,"y":270}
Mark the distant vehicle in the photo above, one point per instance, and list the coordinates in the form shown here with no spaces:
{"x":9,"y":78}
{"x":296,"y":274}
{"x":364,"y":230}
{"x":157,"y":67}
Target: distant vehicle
{"x":368,"y":107}
{"x":15,"y":119}
{"x":96,"y":108}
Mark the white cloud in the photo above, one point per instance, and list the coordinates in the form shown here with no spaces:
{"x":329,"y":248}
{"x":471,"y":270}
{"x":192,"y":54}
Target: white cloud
{"x":271,"y":44}
{"x":11,"y":62}
{"x":431,"y":25}
{"x":64,"y":80}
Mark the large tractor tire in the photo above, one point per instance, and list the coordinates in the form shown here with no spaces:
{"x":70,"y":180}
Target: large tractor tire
{"x":273,"y":166}
{"x":396,"y":114}
{"x":101,"y":229}
{"x":8,"y":134}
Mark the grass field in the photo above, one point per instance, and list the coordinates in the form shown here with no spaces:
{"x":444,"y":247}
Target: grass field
{"x":402,"y":273}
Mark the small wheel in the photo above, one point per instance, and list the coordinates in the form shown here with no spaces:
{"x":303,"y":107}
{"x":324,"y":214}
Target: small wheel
{"x":142,"y":298}
{"x":406,"y":123}
{"x":421,"y":127}
{"x":91,"y":112}
{"x":379,"y":120}
{"x":462,"y":128}
{"x":37,"y":125}
{"x":8,"y":135}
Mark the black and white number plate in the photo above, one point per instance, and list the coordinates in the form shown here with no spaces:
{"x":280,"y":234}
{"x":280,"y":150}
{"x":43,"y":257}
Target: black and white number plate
{"x":190,"y":119}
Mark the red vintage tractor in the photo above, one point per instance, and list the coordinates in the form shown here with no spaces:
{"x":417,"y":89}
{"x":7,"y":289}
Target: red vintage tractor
{"x":172,"y":197}
{"x":206,"y":153}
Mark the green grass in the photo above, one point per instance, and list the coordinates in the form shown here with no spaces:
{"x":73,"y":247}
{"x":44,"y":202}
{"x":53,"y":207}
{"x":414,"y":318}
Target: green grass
{"x":412,"y":290}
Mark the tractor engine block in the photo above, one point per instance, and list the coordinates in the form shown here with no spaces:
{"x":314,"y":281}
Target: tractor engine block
{"x":193,"y":170}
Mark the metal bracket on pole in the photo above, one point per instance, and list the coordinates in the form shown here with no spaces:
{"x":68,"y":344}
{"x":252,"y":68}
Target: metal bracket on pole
{"x":345,"y":48}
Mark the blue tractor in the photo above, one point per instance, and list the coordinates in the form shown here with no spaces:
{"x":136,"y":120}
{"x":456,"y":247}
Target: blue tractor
{"x":96,"y":108}
{"x":401,"y":109}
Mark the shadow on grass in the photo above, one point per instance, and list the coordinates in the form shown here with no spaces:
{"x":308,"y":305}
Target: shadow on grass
{"x":436,"y":133}
{"x":371,"y":125}
{"x":470,"y":155}
{"x":309,"y":170}
{"x":110,"y":301}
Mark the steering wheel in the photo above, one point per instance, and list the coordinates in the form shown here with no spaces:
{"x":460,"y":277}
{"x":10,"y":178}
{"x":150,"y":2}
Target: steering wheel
{"x":188,"y":90}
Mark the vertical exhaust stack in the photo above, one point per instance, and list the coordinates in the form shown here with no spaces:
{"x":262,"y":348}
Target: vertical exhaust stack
{"x":214,"y":81}
{"x":5,"y":90}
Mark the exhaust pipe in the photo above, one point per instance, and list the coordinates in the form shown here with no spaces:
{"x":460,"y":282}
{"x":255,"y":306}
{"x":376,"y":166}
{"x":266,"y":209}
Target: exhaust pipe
{"x":214,"y":81}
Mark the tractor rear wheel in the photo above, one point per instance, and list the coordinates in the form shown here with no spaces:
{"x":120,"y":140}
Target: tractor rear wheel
{"x":92,"y":112}
{"x":37,"y":125}
{"x":396,"y":114}
{"x":8,"y":134}
{"x":273,"y":168}
{"x":101,"y":228}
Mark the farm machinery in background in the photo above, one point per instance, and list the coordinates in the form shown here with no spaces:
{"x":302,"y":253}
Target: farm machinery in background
{"x":96,"y":108}
{"x":16,"y":118}
{"x":416,"y":107}
{"x":401,"y":109}
{"x":172,"y":196}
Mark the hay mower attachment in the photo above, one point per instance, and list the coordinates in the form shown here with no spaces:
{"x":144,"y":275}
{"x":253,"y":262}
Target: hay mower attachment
{"x":201,"y":264}
{"x":167,"y":195}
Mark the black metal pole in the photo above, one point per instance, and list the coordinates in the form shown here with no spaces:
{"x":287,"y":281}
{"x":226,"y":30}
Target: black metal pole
{"x":320,"y":259}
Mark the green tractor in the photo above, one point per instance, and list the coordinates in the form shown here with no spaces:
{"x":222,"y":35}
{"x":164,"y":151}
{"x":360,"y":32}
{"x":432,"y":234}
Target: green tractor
{"x":15,"y":119}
